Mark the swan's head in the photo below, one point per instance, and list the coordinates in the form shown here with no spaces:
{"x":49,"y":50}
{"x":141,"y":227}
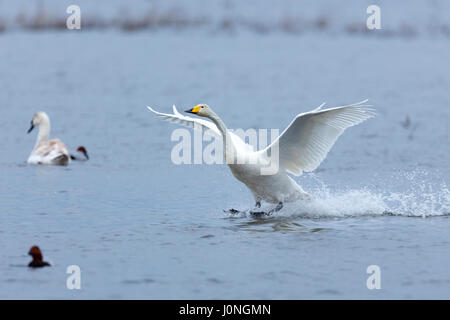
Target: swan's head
{"x":38,"y":119}
{"x":202,"y":110}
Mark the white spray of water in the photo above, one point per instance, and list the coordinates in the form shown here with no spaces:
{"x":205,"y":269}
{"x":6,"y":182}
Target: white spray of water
{"x":425,"y":200}
{"x":420,"y":199}
{"x":350,"y":203}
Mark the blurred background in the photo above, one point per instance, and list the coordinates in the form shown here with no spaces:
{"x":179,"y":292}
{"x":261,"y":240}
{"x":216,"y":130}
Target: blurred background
{"x":400,"y":18}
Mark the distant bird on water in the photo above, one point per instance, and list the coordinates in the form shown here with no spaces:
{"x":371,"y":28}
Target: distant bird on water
{"x":50,"y":152}
{"x":82,"y":150}
{"x":37,"y":261}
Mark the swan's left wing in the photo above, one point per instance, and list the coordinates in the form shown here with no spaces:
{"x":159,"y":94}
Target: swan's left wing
{"x":306,"y":141}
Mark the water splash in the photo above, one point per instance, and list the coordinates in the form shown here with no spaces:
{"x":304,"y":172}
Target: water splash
{"x":350,"y":203}
{"x":420,"y":199}
{"x":425,"y":200}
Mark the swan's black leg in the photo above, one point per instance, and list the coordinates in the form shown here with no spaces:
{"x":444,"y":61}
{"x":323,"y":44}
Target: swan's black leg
{"x":257,"y":213}
{"x":276,"y":209}
{"x":279,"y":206}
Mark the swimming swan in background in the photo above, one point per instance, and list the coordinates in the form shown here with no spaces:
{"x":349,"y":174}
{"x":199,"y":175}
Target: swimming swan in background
{"x":49,"y":152}
{"x":302,"y":146}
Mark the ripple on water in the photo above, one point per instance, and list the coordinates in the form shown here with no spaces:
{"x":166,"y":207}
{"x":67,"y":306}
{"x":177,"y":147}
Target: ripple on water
{"x":275,"y":224}
{"x":138,"y":281}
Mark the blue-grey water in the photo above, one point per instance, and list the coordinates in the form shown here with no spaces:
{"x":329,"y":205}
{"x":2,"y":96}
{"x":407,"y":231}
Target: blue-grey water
{"x":141,"y":227}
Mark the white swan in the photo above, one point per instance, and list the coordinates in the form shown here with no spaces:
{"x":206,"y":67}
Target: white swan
{"x":50,"y":152}
{"x":302,"y":146}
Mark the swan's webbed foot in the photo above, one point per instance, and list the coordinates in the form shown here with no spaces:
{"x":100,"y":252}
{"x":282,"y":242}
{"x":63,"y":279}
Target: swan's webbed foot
{"x":257,"y":206}
{"x":232,"y":211}
{"x":257,"y":213}
{"x":268,"y":213}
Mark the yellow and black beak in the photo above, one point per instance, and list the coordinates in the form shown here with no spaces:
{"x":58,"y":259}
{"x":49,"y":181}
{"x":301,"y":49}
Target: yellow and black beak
{"x":194,"y":110}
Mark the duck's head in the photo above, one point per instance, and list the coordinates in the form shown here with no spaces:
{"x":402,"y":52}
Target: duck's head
{"x":83,"y":151}
{"x":36,"y":253}
{"x":38,"y":119}
{"x":202,"y":110}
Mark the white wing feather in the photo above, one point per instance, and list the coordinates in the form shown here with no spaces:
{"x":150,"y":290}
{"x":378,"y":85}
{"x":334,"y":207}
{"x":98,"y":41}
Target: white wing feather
{"x":206,"y":126}
{"x":190,"y":122}
{"x":305,"y":143}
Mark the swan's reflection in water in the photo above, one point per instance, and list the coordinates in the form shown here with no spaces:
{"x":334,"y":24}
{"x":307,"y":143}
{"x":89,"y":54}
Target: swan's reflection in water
{"x":274,"y":224}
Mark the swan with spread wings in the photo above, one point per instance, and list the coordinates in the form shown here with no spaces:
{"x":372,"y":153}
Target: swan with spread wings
{"x":301,"y":147}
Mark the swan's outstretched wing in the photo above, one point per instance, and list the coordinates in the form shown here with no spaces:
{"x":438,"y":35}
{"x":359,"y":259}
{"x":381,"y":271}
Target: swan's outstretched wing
{"x":196,"y":123}
{"x":306,"y":141}
{"x":204,"y":125}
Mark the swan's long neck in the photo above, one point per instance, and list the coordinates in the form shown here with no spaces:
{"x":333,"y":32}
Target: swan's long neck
{"x":229,"y":151}
{"x":44,"y":131}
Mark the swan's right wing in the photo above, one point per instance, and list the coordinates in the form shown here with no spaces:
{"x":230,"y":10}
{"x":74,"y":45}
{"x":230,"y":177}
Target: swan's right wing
{"x":190,"y":122}
{"x":204,"y":125}
{"x":306,"y":141}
